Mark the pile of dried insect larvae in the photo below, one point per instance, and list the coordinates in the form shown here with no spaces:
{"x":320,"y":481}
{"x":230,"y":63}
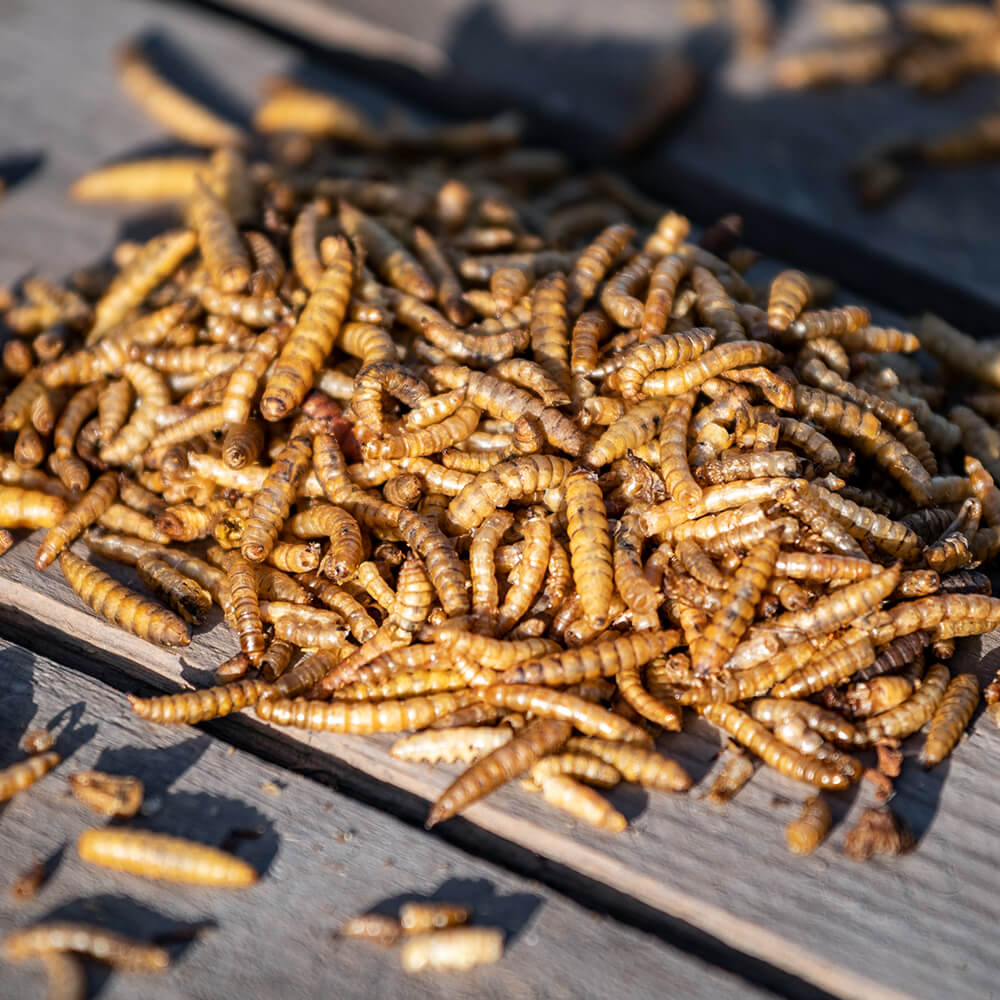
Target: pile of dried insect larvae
{"x":463,"y":443}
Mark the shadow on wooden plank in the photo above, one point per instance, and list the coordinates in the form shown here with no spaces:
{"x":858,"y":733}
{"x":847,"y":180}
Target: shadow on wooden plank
{"x":15,"y":168}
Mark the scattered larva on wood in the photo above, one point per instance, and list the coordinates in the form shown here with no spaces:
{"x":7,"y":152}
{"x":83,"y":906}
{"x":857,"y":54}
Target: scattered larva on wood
{"x":17,"y":777}
{"x":420,"y":918}
{"x":108,"y":794}
{"x":375,"y":927}
{"x":950,"y":719}
{"x":457,"y":948}
{"x":158,"y":856}
{"x":805,"y":833}
{"x":106,"y":946}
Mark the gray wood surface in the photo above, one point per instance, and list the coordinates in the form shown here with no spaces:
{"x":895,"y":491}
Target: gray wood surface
{"x":323,"y":858}
{"x":916,"y":926}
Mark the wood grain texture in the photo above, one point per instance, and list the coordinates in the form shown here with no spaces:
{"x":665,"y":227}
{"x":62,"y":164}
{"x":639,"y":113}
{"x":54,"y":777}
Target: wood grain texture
{"x":915,"y":926}
{"x":323,"y":858}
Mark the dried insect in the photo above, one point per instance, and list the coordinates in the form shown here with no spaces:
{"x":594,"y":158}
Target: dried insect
{"x":907,"y":718}
{"x":756,"y":738}
{"x":594,"y":263}
{"x":504,"y":764}
{"x":313,"y":336}
{"x":116,"y":603}
{"x":733,"y":775}
{"x":950,"y":719}
{"x":736,"y":609}
{"x":244,"y":606}
{"x":581,"y":802}
{"x":865,"y":698}
{"x":90,"y":507}
{"x":789,"y":294}
{"x":448,"y":746}
{"x":108,"y":794}
{"x":37,"y":741}
{"x":124,"y":953}
{"x":878,"y":831}
{"x":158,"y":856}
{"x":196,"y":706}
{"x":17,"y":777}
{"x":804,"y":834}
{"x":457,"y":948}
{"x":419,"y":918}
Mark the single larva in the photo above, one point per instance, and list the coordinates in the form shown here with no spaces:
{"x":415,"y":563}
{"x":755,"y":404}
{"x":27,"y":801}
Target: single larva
{"x":158,"y":856}
{"x":448,"y":746}
{"x":737,"y":608}
{"x":419,"y":918}
{"x":457,"y":948}
{"x":504,"y":764}
{"x":36,"y":741}
{"x":737,"y":770}
{"x":244,"y":605}
{"x":589,"y":544}
{"x":107,"y":794}
{"x":388,"y":256}
{"x":581,"y":802}
{"x":376,"y":927}
{"x":805,"y":833}
{"x":196,"y":706}
{"x":115,"y":602}
{"x":594,"y":263}
{"x":117,"y":950}
{"x":312,"y":337}
{"x":789,"y":294}
{"x":17,"y":777}
{"x":950,"y":719}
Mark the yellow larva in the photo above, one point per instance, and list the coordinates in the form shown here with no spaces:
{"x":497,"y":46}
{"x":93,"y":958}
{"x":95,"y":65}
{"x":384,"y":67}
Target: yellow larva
{"x":158,"y":856}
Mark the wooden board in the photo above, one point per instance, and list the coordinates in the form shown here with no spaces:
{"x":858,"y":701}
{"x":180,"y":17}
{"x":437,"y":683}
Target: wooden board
{"x":323,"y":858}
{"x":914,"y":927}
{"x":583,"y":66}
{"x":726,"y":872}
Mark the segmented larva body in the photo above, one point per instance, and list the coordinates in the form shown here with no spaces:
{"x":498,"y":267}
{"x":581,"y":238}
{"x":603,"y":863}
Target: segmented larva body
{"x":574,"y":764}
{"x":830,"y":725}
{"x":789,"y":294}
{"x":115,"y":602}
{"x":313,"y":337}
{"x":150,"y":180}
{"x":107,"y":794}
{"x":375,"y":927}
{"x":550,"y":328}
{"x":363,"y":717}
{"x":733,"y":354}
{"x":181,"y":115}
{"x":950,"y":719}
{"x":196,"y":706}
{"x":663,"y":712}
{"x":530,"y":572}
{"x":505,"y":482}
{"x":594,"y":263}
{"x":661,"y":352}
{"x":589,"y":330}
{"x":271,"y":505}
{"x":222,"y":250}
{"x":830,"y":322}
{"x":457,"y":948}
{"x":420,"y":918}
{"x":36,"y":741}
{"x":188,"y":598}
{"x":158,"y":856}
{"x":839,"y":660}
{"x":244,"y":605}
{"x":581,"y":802}
{"x":714,"y":306}
{"x":618,"y":296}
{"x":17,"y":777}
{"x":805,"y":833}
{"x":866,"y":698}
{"x":602,"y":659}
{"x":732,"y":776}
{"x":635,"y":763}
{"x":498,"y":654}
{"x":23,"y":508}
{"x":414,"y":596}
{"x":154,"y":263}
{"x":664,"y":281}
{"x":589,"y":537}
{"x":504,"y":764}
{"x":105,"y":946}
{"x":590,"y":719}
{"x":737,"y":609}
{"x":841,"y":606}
{"x":760,"y":741}
{"x":907,"y":718}
{"x":482,"y":568}
{"x":448,"y":746}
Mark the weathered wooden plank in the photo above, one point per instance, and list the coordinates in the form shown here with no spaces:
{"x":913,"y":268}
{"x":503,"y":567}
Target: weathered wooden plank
{"x":324,"y":857}
{"x":779,"y":158}
{"x":728,"y":873}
